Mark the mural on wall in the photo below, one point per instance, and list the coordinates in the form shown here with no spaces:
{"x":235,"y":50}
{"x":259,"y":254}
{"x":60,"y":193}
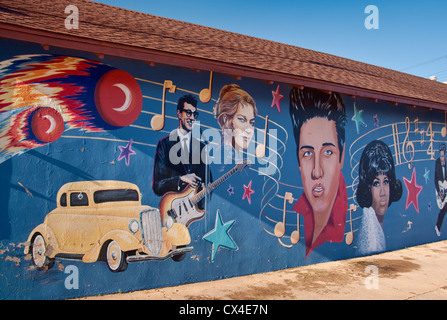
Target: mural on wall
{"x":115,"y":164}
{"x":43,"y":95}
{"x":319,"y":129}
{"x":101,"y":220}
{"x":377,"y":189}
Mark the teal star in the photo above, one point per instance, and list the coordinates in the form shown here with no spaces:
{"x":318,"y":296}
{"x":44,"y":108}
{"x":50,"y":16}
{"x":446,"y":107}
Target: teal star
{"x":427,"y":172}
{"x":219,"y":236}
{"x":358,"y":118}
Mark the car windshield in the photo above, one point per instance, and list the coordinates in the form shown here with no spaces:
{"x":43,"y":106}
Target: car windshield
{"x":115,"y":195}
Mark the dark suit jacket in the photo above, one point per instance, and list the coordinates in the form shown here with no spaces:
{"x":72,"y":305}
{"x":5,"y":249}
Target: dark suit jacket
{"x":438,"y":173}
{"x":170,"y":164}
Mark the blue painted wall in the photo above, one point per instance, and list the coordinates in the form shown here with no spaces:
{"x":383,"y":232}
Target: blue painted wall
{"x":31,"y":173}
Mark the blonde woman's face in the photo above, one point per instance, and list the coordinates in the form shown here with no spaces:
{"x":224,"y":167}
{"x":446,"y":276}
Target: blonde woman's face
{"x":243,"y":126}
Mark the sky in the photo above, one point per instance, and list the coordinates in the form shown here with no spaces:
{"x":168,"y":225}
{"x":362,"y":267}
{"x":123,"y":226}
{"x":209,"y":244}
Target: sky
{"x":411,"y":35}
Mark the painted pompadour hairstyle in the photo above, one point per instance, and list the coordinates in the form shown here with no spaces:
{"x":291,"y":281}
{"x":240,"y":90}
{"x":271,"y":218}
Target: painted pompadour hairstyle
{"x":308,"y":103}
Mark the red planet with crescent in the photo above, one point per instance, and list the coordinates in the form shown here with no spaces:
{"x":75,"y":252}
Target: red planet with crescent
{"x":47,"y":124}
{"x":118,"y":98}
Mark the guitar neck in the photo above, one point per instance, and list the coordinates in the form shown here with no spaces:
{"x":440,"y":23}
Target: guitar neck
{"x":199,"y":196}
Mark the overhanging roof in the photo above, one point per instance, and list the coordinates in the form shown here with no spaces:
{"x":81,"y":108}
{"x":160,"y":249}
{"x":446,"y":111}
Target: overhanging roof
{"x":105,"y":29}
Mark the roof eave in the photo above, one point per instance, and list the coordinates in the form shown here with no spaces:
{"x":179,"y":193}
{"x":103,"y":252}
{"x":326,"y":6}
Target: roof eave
{"x":46,"y":39}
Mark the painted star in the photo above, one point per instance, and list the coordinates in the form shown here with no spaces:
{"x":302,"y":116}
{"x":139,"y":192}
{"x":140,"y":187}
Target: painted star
{"x":277,"y":97}
{"x":230,"y":190}
{"x":376,"y":121}
{"x":126,"y":152}
{"x":426,"y":175}
{"x":358,"y":118}
{"x":219,"y":236}
{"x":413,"y":191}
{"x":248,"y":191}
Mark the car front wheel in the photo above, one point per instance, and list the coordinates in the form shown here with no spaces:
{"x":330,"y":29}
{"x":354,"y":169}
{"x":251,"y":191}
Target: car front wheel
{"x":38,"y":252}
{"x":116,"y":259}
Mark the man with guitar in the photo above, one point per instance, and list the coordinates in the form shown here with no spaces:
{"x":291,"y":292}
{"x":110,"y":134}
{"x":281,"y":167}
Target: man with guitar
{"x":441,"y":187}
{"x":179,"y":175}
{"x":176,"y":164}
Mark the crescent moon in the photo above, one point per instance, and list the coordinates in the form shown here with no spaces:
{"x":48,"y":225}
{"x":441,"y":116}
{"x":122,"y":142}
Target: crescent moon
{"x":52,"y":123}
{"x":128,"y":95}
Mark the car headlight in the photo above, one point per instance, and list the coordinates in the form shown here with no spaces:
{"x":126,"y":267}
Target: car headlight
{"x":134,"y":226}
{"x":169,"y":223}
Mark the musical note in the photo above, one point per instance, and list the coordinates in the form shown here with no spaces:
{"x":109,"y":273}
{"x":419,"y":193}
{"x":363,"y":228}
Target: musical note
{"x":408,"y":144}
{"x":444,"y":129}
{"x":260,"y":149}
{"x":158,"y":121}
{"x":350,"y":235}
{"x":421,"y":132}
{"x":295,"y":236}
{"x":416,"y":125}
{"x":205,"y":94}
{"x":280,"y":227}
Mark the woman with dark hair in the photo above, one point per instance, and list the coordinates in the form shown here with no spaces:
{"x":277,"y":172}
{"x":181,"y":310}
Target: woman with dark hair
{"x":377,"y":189}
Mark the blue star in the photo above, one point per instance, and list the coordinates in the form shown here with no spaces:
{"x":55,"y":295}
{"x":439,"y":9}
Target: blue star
{"x":126,"y":152}
{"x":219,"y":236}
{"x":426,"y":175}
{"x":358,"y":118}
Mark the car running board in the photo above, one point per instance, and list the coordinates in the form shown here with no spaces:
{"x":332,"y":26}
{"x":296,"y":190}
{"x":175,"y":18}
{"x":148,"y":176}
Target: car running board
{"x":145,"y":257}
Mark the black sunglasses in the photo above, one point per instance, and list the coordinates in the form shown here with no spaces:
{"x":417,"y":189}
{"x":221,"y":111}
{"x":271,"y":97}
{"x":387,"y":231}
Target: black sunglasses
{"x":190,"y":113}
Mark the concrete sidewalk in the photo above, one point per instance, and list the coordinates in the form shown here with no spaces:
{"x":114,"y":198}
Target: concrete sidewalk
{"x":415,"y":273}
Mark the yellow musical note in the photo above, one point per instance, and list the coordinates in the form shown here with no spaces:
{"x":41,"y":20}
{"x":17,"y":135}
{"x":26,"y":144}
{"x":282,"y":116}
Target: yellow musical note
{"x":280,"y":227}
{"x":421,"y":132}
{"x":205,"y":94}
{"x":350,"y":235}
{"x":295,"y":236}
{"x":158,"y":121}
{"x":260,"y":149}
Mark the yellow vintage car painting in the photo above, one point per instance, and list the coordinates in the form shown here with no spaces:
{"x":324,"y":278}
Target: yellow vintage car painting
{"x":104,"y":220}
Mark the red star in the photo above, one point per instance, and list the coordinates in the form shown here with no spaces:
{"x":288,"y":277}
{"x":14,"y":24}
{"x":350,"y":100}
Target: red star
{"x":248,"y":192}
{"x":277,"y":97}
{"x":413,"y":190}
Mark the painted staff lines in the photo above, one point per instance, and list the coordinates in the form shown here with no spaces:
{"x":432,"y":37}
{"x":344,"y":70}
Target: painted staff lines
{"x":108,"y":139}
{"x":276,"y":152}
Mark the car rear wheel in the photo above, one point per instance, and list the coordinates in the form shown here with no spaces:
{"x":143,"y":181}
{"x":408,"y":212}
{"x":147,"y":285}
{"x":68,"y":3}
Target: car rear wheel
{"x":116,"y":259}
{"x":38,"y":252}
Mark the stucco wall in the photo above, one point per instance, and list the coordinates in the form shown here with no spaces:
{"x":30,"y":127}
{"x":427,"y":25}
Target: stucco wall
{"x":69,"y":116}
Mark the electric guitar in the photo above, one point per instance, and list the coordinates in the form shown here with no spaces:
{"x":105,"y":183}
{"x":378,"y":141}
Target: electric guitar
{"x":441,"y":198}
{"x":182,"y":206}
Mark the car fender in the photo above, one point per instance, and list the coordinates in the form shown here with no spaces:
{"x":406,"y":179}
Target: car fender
{"x":125,"y":239}
{"x":178,"y":235}
{"x":49,"y":237}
